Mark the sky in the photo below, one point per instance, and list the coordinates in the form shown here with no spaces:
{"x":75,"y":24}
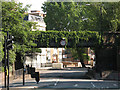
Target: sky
{"x":36,"y":4}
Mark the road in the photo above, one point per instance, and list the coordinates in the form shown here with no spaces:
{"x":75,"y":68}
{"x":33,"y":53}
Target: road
{"x":49,"y":83}
{"x":65,"y":79}
{"x":79,"y":84}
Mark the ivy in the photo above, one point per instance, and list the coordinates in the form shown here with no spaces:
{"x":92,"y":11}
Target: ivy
{"x":1,"y":46}
{"x":44,"y":37}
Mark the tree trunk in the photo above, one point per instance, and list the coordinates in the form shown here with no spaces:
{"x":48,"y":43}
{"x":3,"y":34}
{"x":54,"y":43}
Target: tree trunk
{"x":82,"y":62}
{"x":80,"y":52}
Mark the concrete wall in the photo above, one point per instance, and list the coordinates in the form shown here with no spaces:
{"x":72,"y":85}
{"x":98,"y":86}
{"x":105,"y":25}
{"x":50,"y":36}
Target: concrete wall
{"x":37,"y":60}
{"x":57,"y":65}
{"x":118,"y":58}
{"x":106,"y":59}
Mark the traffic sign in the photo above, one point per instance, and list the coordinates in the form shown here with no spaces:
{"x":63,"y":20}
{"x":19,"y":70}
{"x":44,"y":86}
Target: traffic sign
{"x":63,"y":42}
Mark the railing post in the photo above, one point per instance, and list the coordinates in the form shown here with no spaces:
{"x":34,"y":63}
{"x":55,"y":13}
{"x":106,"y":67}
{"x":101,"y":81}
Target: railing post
{"x":7,"y":64}
{"x":5,"y":59}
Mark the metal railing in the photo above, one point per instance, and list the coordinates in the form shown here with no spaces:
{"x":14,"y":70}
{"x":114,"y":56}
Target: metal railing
{"x":18,"y":73}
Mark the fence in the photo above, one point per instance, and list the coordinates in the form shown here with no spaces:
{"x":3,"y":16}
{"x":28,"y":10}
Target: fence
{"x":17,"y":73}
{"x":12,"y":76}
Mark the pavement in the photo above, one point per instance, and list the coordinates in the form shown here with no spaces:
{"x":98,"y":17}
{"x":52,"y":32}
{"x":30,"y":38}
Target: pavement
{"x":106,"y":75}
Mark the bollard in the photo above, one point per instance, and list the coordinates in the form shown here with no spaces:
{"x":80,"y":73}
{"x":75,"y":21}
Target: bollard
{"x":32,"y":70}
{"x":33,"y":75}
{"x":37,"y":78}
{"x":28,"y":69}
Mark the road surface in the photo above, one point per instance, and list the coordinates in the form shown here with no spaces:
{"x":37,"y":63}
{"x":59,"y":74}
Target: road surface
{"x":64,"y":79}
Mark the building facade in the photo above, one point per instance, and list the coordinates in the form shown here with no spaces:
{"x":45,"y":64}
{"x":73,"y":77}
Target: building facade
{"x":37,"y":60}
{"x":48,"y":55}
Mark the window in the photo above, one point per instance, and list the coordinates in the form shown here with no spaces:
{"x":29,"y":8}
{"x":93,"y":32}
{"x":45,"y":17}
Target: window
{"x":60,"y":60}
{"x":60,"y":52}
{"x":49,"y":60}
{"x":55,"y":51}
{"x":48,"y":51}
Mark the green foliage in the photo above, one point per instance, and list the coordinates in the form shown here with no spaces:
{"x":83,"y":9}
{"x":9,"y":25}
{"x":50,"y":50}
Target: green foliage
{"x":12,"y":57}
{"x":89,"y":58}
{"x":13,"y":21}
{"x":43,"y":37}
{"x":79,"y":53}
{"x":2,"y":69}
{"x":85,"y":56}
{"x":74,"y":53}
{"x":46,"y":36}
{"x":1,"y":46}
{"x":73,"y":16}
{"x":78,"y":16}
{"x":61,"y":16}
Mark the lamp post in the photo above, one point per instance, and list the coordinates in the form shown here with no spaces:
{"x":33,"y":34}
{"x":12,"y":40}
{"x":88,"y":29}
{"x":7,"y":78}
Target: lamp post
{"x":9,"y":46}
{"x":7,"y":65}
{"x":24,"y":70}
{"x":5,"y":42}
{"x":23,"y":65}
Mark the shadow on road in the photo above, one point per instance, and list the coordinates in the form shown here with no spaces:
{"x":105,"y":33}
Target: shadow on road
{"x":65,"y":75}
{"x":70,"y":73}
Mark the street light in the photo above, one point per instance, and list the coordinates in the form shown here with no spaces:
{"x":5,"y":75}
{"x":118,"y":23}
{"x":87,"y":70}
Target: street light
{"x":8,"y":46}
{"x":24,"y":69}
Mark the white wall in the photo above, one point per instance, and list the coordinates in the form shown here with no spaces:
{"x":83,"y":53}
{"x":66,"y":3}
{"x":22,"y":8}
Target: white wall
{"x":38,"y":61}
{"x":28,"y":60}
{"x":37,"y":58}
{"x":40,"y":22}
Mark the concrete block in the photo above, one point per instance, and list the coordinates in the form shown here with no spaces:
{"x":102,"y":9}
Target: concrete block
{"x":57,"y":65}
{"x":48,"y":64}
{"x":79,"y":64}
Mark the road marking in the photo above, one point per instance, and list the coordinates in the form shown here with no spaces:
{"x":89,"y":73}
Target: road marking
{"x":115,"y":84}
{"x":76,"y":85}
{"x":93,"y":84}
{"x":56,"y":82}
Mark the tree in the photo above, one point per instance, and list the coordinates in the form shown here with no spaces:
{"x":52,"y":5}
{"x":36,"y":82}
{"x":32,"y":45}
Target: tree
{"x":61,"y":16}
{"x":76,"y":16}
{"x":79,"y":53}
{"x":13,"y":21}
{"x":82,"y":16}
{"x":104,"y":16}
{"x":64,"y":17}
{"x":1,"y":46}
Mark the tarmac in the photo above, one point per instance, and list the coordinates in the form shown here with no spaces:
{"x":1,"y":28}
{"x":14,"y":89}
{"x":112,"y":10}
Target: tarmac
{"x":30,"y":83}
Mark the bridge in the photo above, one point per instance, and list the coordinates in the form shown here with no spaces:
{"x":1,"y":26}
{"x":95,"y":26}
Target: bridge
{"x":107,"y":53}
{"x":58,"y":39}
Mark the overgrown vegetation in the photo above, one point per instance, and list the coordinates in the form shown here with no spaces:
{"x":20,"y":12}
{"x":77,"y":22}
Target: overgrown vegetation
{"x":75,"y":16}
{"x":74,"y":21}
{"x":82,"y":16}
{"x":13,"y":22}
{"x":73,"y":38}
